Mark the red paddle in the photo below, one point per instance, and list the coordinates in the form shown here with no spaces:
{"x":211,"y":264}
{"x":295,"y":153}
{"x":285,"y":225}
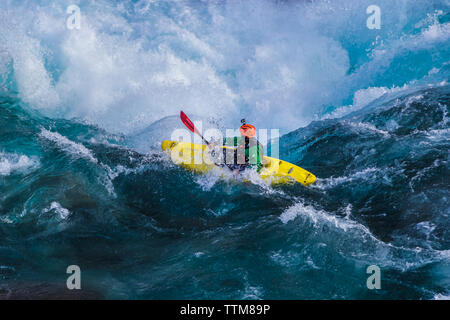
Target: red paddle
{"x":190,"y":125}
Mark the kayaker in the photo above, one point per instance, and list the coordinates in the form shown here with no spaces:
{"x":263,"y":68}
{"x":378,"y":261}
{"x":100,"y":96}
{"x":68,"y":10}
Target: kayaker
{"x":249,"y":152}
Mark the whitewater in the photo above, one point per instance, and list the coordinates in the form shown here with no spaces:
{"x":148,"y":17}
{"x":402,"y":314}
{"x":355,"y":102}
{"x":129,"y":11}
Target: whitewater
{"x":83,"y":180}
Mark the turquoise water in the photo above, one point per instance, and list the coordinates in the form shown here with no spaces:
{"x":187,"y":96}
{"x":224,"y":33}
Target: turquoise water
{"x":83,"y":180}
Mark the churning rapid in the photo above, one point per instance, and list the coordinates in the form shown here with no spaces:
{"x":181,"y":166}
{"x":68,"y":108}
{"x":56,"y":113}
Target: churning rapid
{"x":83,"y":180}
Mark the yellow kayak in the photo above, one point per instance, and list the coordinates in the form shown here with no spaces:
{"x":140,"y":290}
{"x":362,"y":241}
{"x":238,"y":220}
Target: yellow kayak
{"x":195,"y":158}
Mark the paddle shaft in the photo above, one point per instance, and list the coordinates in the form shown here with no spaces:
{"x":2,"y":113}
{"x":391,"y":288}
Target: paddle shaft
{"x":190,"y":125}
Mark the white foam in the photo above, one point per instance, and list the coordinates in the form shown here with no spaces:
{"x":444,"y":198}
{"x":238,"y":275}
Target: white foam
{"x":17,"y":163}
{"x":438,"y":134}
{"x":366,"y":174}
{"x":361,"y":98}
{"x":319,"y":217}
{"x":352,"y":239}
{"x":366,"y":127}
{"x":76,"y":150}
{"x":199,"y":254}
{"x":441,"y":296}
{"x":252,"y":292}
{"x":209,"y":179}
{"x":62,"y":212}
{"x":133,"y":63}
{"x":426,"y":227}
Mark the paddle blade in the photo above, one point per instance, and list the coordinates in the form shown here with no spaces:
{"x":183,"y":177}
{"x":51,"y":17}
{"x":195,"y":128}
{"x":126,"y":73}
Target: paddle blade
{"x":187,"y":122}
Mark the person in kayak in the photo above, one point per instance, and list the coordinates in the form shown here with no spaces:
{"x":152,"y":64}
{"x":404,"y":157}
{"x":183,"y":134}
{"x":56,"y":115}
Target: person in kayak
{"x":249,"y":153}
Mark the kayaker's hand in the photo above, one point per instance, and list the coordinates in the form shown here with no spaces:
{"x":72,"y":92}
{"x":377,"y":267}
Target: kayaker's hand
{"x":212,"y":145}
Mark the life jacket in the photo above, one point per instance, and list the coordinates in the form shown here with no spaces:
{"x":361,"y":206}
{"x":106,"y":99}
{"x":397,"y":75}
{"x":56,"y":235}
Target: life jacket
{"x":249,"y":151}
